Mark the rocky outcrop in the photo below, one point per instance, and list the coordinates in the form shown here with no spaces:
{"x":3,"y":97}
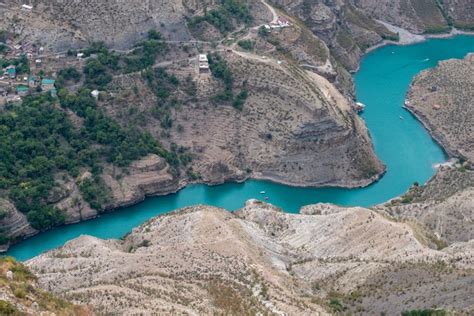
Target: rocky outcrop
{"x":68,"y":197}
{"x":346,"y":30}
{"x":418,"y":16}
{"x":421,"y":16}
{"x":442,"y":98}
{"x":13,"y":223}
{"x":145,"y":177}
{"x":444,"y":206}
{"x":459,"y":12}
{"x":207,"y":260}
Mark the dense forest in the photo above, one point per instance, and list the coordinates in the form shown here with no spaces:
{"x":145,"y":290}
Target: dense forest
{"x":39,"y":143}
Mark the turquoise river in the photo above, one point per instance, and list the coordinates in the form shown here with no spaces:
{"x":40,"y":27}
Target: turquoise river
{"x":402,"y":144}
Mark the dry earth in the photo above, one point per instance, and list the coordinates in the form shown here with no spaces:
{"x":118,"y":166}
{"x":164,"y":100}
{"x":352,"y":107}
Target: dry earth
{"x":21,"y":295}
{"x":293,"y":124}
{"x":443,"y":98}
{"x":206,"y":260}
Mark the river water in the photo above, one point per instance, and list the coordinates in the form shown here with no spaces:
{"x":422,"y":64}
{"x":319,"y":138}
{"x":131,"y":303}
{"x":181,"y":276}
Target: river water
{"x":400,"y":142}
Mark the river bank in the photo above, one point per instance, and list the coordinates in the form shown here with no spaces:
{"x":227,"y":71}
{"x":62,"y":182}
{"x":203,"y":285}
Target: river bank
{"x":408,"y":38}
{"x":410,"y":158}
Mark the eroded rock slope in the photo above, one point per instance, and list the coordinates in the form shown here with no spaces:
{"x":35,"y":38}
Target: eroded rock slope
{"x":259,"y":259}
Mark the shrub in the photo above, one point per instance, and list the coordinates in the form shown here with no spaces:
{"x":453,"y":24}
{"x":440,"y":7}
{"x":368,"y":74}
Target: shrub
{"x":246,"y":44}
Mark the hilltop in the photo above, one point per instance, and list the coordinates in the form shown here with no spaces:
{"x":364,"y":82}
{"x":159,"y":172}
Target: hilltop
{"x":206,"y":260}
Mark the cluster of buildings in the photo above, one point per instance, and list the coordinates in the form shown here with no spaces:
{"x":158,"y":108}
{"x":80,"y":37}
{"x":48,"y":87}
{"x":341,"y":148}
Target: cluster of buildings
{"x":280,"y":23}
{"x":13,"y":86}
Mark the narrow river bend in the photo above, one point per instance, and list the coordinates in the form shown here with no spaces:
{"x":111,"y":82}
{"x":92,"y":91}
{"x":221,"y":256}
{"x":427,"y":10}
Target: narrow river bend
{"x":400,"y":141}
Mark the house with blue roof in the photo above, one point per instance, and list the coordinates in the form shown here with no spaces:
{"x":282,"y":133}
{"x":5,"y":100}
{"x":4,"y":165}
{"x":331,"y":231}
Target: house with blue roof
{"x":47,"y":84}
{"x":11,"y":71}
{"x":22,"y":90}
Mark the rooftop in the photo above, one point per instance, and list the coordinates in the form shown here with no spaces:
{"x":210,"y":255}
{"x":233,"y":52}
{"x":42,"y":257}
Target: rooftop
{"x":22,"y":88}
{"x":48,"y":81}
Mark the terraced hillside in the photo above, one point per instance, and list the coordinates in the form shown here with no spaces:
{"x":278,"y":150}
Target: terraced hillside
{"x":292,"y":125}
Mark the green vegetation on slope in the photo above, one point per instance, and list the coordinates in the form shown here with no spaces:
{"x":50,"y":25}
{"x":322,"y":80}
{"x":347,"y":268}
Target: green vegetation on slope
{"x":21,"y":291}
{"x":38,"y":143}
{"x":21,"y":63}
{"x":99,"y":70}
{"x":221,"y":71}
{"x":224,"y":16}
{"x":246,"y":44}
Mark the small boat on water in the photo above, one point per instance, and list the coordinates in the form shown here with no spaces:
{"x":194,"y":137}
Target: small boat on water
{"x":266,"y":198}
{"x":401,"y":117}
{"x":359,"y":107}
{"x":262,"y":192}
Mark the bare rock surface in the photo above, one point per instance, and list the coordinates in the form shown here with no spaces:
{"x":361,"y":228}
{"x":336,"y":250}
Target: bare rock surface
{"x":147,"y":176}
{"x":206,"y":260}
{"x":13,"y":222}
{"x":61,"y":25}
{"x":445,"y":206}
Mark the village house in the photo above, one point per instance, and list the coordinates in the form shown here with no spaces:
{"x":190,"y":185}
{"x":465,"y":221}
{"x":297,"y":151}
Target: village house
{"x":203,"y":63}
{"x":95,"y":94}
{"x":32,"y":82}
{"x":47,"y":84}
{"x":11,"y":72}
{"x":282,"y":22}
{"x":13,"y":98}
{"x":22,"y":90}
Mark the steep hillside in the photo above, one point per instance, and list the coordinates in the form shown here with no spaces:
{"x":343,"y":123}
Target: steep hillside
{"x":206,"y":260}
{"x":292,"y":125}
{"x":347,"y":30}
{"x":418,"y":16}
{"x":20,"y":294}
{"x":62,"y":25}
{"x":443,"y":99}
{"x":421,"y":16}
{"x":445,"y":205}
